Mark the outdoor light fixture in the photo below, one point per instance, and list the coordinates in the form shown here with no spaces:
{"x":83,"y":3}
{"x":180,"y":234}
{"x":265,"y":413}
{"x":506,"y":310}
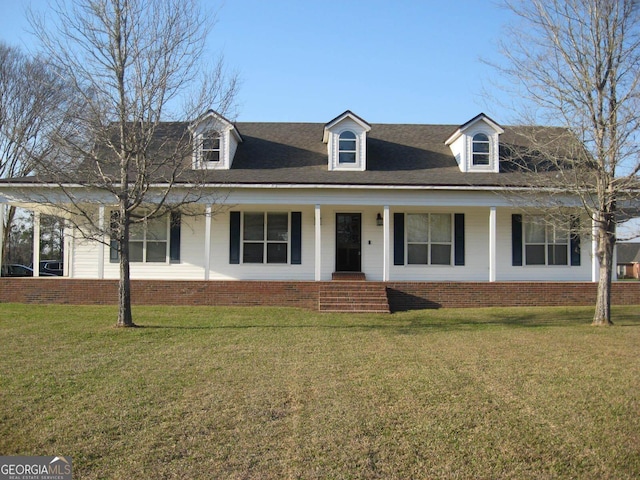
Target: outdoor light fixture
{"x":379,"y":221}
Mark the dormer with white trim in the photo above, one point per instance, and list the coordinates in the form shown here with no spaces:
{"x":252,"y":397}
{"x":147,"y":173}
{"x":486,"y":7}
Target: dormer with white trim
{"x":215,"y":140}
{"x":346,"y":139}
{"x":475,"y":145}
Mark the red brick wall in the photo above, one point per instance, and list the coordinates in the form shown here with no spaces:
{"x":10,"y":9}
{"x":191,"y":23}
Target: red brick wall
{"x":413,"y":295}
{"x":402,"y":295}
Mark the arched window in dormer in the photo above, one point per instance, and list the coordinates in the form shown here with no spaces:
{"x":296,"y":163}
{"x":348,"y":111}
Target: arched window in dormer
{"x":480,"y":149}
{"x":347,"y":147}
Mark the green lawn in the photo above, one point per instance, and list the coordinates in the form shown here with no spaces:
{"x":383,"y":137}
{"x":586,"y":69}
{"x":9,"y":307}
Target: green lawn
{"x":284,"y":393}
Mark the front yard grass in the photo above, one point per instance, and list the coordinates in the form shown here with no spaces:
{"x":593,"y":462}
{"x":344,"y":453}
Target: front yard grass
{"x":285,"y":393}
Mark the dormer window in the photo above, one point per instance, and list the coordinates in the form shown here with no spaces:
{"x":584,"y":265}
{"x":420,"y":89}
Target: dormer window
{"x":215,"y":141}
{"x":346,"y":139}
{"x":347,"y":152}
{"x":475,"y":145}
{"x":210,"y":148}
{"x":481,"y":146}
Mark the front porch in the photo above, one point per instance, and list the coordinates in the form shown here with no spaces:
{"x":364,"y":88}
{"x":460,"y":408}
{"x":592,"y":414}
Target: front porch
{"x":258,"y":235}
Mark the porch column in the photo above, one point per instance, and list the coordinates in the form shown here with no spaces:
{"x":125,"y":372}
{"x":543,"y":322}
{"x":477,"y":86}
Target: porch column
{"x":386,"y":244}
{"x":594,"y":250}
{"x":36,"y":244}
{"x":207,"y":241}
{"x":1,"y":232}
{"x":493,"y":249}
{"x":318,"y":246}
{"x":101,"y":243}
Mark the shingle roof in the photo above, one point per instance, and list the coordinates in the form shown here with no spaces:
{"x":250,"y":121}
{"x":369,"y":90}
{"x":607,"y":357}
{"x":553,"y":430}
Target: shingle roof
{"x":628,"y":253}
{"x":397,"y":154}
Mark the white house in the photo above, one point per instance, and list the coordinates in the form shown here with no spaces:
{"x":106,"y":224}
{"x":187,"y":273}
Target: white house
{"x":304,"y":201}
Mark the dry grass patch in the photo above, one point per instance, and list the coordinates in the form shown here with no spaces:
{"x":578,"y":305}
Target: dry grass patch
{"x":284,"y":393}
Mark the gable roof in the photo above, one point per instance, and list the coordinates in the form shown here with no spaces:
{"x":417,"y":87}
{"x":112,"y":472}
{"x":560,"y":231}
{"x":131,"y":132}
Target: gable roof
{"x":461,"y":129}
{"x":627,"y":253}
{"x":411,"y":155}
{"x":212,"y":114}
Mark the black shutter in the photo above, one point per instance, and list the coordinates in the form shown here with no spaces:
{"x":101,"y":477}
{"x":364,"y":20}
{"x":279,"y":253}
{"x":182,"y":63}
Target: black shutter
{"x":516,"y":240}
{"x":296,"y":238}
{"x":174,"y":237}
{"x":575,"y":241}
{"x":398,"y":238}
{"x":234,"y":237}
{"x":114,"y":257}
{"x":459,"y":239}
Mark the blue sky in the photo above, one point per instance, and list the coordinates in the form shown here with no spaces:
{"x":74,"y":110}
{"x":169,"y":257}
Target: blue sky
{"x":388,"y":61}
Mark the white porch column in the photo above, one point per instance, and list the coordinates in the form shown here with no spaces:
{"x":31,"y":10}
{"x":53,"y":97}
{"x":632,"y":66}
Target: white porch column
{"x":101,"y":244}
{"x":207,"y":241}
{"x":36,"y":244}
{"x":386,"y":244}
{"x":318,"y":245}
{"x":594,"y":250}
{"x":493,"y":247}
{"x":2,"y":205}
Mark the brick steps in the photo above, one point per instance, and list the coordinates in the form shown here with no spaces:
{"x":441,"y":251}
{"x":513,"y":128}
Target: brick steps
{"x":353,"y":296}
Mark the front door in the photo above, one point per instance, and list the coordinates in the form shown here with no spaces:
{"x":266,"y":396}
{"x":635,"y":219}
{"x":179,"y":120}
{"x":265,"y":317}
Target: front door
{"x":348,"y":244}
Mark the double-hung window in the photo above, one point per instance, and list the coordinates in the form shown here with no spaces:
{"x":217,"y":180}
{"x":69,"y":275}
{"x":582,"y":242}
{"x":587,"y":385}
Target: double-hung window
{"x":210,"y":147}
{"x":429,"y":239}
{"x":151,"y":240}
{"x":347,"y":147}
{"x":265,"y":237}
{"x":545,"y":244}
{"x":148,"y":240}
{"x":480,"y":147}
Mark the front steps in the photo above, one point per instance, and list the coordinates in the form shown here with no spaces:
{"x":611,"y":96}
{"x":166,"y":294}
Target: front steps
{"x":353,"y":296}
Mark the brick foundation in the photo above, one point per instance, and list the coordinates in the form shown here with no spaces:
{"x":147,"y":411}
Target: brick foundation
{"x":402,"y":295}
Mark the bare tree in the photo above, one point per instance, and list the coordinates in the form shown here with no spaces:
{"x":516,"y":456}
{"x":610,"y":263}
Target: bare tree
{"x":133,"y":64}
{"x":30,"y":100}
{"x":576,"y":64}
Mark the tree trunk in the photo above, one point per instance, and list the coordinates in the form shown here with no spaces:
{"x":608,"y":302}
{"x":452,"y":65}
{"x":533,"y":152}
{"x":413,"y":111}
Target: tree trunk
{"x":125,"y":317}
{"x":606,"y":242}
{"x":6,"y":232}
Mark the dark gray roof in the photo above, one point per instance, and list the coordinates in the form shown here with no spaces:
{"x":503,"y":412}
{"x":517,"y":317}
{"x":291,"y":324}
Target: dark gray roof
{"x":628,"y":253}
{"x":397,"y":154}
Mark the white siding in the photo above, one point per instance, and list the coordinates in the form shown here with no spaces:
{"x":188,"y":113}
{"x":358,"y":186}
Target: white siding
{"x":507,"y":272}
{"x":475,"y":207}
{"x":221,"y":269}
{"x":476,"y":265}
{"x":85,"y":259}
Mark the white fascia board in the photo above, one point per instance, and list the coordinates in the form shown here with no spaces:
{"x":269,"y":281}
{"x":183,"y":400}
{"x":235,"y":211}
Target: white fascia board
{"x":324,"y":186}
{"x":453,"y":138}
{"x":278,"y":186}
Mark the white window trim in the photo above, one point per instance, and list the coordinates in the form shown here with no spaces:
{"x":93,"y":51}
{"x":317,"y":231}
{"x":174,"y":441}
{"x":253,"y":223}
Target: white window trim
{"x":360,"y":163}
{"x":475,"y":142}
{"x":355,"y":151}
{"x":199,"y":162}
{"x":429,"y":243}
{"x":265,"y":241}
{"x":210,"y":135}
{"x":493,"y":152}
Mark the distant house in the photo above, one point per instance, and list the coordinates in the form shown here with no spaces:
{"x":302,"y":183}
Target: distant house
{"x":307,"y":201}
{"x":628,"y":260}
